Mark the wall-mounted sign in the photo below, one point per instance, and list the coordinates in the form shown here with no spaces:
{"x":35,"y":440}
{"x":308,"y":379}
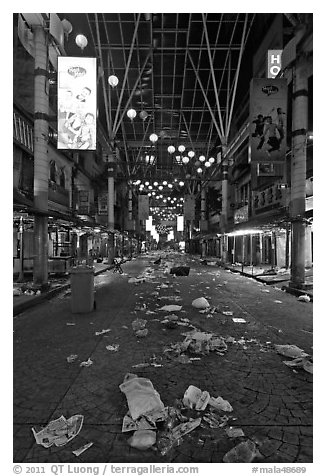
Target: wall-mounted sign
{"x":241,"y":215}
{"x":268,"y":109}
{"x":77,"y":109}
{"x":274,"y":63}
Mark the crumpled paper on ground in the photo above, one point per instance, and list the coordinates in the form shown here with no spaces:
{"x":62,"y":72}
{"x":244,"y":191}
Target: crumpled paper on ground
{"x":141,"y":395}
{"x":244,"y":452}
{"x":59,"y":432}
{"x":290,"y":351}
{"x":301,"y":362}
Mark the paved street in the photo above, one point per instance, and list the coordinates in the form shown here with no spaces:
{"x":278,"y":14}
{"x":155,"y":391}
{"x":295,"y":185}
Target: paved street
{"x":272,"y":403}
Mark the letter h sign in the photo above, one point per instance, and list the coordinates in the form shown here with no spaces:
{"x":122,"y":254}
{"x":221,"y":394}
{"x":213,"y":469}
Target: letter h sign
{"x":274,"y":63}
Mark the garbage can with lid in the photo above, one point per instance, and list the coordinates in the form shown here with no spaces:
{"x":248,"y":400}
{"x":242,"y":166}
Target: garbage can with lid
{"x":82,"y":289}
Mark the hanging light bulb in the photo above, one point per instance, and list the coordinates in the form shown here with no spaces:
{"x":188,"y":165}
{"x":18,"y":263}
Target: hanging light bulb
{"x":170,"y":185}
{"x":146,"y":183}
{"x":131,"y":113}
{"x":185,"y":160}
{"x":171,"y":149}
{"x":150,"y":187}
{"x":113,"y":80}
{"x":202,"y":158}
{"x":160,"y":187}
{"x":181,"y":148}
{"x":143,"y":115}
{"x":165,"y":182}
{"x":153,"y":138}
{"x":199,"y":170}
{"x":211,"y":160}
{"x":81,"y":41}
{"x":181,"y":183}
{"x":207,"y":164}
{"x":155,"y":184}
{"x":191,"y":154}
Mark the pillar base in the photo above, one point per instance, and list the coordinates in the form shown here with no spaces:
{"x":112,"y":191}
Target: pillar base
{"x":303,"y":286}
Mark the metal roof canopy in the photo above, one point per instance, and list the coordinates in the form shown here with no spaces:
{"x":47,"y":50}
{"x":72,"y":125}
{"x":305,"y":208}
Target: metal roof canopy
{"x":182,"y":69}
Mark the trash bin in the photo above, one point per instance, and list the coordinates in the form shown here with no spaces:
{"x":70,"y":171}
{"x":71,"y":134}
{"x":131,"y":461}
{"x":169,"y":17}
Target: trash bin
{"x":82,"y":289}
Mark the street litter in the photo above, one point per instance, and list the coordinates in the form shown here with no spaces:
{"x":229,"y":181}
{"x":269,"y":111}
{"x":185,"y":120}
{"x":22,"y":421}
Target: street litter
{"x":200,"y":303}
{"x":59,"y":432}
{"x":238,"y":319}
{"x":234,"y":432}
{"x":129,"y":424}
{"x":227,"y":313}
{"x":290,"y":351}
{"x":104,"y":331}
{"x":215,"y":421}
{"x":304,"y":298}
{"x":140,"y":366}
{"x":303,"y":362}
{"x":72,"y":358}
{"x":194,"y":398}
{"x":70,"y":323}
{"x":277,"y":301}
{"x":171,"y":298}
{"x":142,"y":439}
{"x":141,"y":333}
{"x":170,"y":308}
{"x":180,"y":271}
{"x":220,"y":404}
{"x":138,"y":324}
{"x":124,"y":327}
{"x":136,"y":280}
{"x":141,"y":395}
{"x":114,"y":347}
{"x":82,"y":449}
{"x":265,"y":290}
{"x":244,"y":452}
{"x":86,"y":363}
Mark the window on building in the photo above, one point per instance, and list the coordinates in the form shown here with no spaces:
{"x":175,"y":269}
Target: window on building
{"x":62,"y":178}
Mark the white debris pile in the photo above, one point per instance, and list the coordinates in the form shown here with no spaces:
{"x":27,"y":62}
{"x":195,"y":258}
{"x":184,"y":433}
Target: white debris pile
{"x":300,"y":359}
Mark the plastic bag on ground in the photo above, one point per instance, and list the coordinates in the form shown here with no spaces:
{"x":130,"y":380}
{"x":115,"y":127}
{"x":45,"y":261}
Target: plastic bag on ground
{"x":220,"y":404}
{"x":304,"y":298}
{"x":141,"y":395}
{"x":142,"y":439}
{"x":171,"y":308}
{"x":244,"y":452}
{"x":290,"y":351}
{"x":200,"y":303}
{"x":59,"y":432}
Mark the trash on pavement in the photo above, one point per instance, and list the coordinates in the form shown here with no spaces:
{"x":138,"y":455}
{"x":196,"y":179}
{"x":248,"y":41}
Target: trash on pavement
{"x":215,"y":421}
{"x":180,"y":271}
{"x":227,"y":313}
{"x":136,"y":280}
{"x":234,"y":432}
{"x":59,"y":432}
{"x":244,"y":452}
{"x":278,"y":302}
{"x":238,"y":319}
{"x":81,"y":450}
{"x":113,"y":348}
{"x":86,"y":363}
{"x":141,"y":333}
{"x":140,"y":366}
{"x":141,"y":395}
{"x":290,"y":351}
{"x":303,"y":362}
{"x":72,"y":358}
{"x":304,"y":298}
{"x":138,"y":324}
{"x":200,"y":303}
{"x":103,"y":331}
{"x":171,"y":308}
{"x":265,"y":290}
{"x":142,"y":439}
{"x":194,"y":398}
{"x":220,"y":404}
{"x":70,"y":323}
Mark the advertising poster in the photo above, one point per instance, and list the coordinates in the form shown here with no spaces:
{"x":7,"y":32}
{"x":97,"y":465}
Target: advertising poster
{"x":268,"y":118}
{"x":143,"y":207}
{"x":76,"y":103}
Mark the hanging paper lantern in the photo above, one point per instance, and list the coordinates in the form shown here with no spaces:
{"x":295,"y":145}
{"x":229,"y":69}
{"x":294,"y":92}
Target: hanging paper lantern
{"x":113,"y":80}
{"x":143,"y":115}
{"x":81,"y":41}
{"x":191,"y":154}
{"x":153,"y":138}
{"x":131,"y":113}
{"x":171,"y":149}
{"x":202,"y":158}
{"x":181,"y":148}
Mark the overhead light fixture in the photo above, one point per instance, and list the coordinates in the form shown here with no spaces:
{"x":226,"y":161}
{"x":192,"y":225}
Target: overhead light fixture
{"x":143,"y":115}
{"x":181,"y":183}
{"x":191,"y":154}
{"x":165,"y":182}
{"x":153,"y":138}
{"x":181,"y":148}
{"x":81,"y":41}
{"x":202,"y":158}
{"x":113,"y":80}
{"x":207,"y":164}
{"x":155,"y":184}
{"x":170,"y":185}
{"x":171,"y":149}
{"x":211,"y":160}
{"x":185,"y":160}
{"x":131,"y":113}
{"x":160,"y":187}
{"x":199,"y":170}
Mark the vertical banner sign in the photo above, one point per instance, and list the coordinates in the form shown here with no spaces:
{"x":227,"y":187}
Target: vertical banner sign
{"x":268,"y":109}
{"x":180,"y":223}
{"x":103,"y":204}
{"x":76,"y":103}
{"x":83,"y":202}
{"x":274,"y":63}
{"x":143,"y":207}
{"x":189,"y":207}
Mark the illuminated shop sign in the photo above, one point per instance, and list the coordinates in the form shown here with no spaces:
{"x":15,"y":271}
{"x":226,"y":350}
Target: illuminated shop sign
{"x":76,"y":103}
{"x":274,"y":63}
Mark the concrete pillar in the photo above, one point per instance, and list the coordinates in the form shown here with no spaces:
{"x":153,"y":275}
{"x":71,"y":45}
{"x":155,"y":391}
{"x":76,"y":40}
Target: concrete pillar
{"x":41,"y":165}
{"x":298,"y":173}
{"x":111,"y":251}
{"x":308,"y":256}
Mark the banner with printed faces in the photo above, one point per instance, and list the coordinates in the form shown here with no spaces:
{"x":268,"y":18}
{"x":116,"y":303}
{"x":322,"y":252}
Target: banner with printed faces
{"x":268,"y":118}
{"x":77,"y":109}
